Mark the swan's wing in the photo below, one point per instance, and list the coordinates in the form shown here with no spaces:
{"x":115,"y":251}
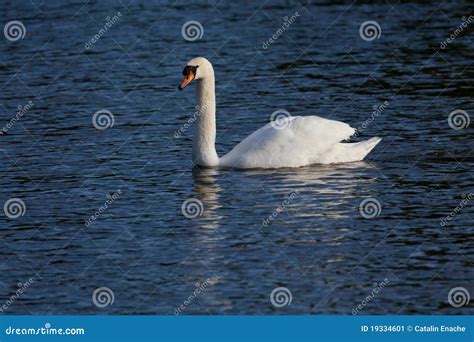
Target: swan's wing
{"x":294,"y":141}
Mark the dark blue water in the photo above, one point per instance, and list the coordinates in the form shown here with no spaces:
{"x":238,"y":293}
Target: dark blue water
{"x":317,"y":245}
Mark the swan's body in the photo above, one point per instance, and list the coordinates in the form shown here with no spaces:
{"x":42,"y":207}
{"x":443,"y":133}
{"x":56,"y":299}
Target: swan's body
{"x":293,"y":142}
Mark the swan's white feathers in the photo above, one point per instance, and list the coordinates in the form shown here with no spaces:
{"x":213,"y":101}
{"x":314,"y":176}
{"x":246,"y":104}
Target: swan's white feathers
{"x":293,"y":142}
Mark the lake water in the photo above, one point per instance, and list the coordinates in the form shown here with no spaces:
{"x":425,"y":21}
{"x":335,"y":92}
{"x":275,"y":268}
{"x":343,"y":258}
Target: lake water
{"x":301,"y":229}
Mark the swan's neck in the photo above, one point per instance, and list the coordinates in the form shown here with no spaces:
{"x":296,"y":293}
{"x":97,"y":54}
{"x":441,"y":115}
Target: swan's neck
{"x":204,"y":150}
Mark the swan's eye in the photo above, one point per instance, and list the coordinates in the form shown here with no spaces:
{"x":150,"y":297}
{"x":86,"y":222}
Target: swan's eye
{"x":190,"y":69}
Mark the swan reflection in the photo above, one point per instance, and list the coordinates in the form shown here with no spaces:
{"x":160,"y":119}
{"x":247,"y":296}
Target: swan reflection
{"x":312,"y":191}
{"x":207,"y":191}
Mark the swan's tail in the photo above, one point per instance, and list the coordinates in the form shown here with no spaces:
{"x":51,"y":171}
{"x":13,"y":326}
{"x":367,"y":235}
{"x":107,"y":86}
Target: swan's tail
{"x":349,"y":152}
{"x":363,"y":148}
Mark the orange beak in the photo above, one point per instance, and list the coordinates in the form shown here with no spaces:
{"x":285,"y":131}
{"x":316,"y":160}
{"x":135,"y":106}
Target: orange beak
{"x":187,"y":79}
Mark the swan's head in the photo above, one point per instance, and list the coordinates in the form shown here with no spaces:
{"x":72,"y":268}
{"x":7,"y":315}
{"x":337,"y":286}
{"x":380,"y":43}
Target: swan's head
{"x":196,"y":69}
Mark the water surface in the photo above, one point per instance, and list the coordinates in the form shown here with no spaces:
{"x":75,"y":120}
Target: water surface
{"x":316,"y":244}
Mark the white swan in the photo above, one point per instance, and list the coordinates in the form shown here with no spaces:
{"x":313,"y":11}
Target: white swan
{"x":291,"y":142}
